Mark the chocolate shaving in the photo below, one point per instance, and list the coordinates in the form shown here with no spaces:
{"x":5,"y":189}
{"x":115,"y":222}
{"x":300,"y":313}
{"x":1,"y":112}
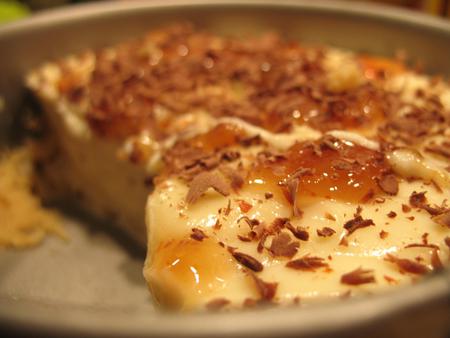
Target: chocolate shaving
{"x":248,"y":261}
{"x":198,"y":234}
{"x":268,"y":195}
{"x":447,"y":241}
{"x":436,"y":260}
{"x":443,"y":219}
{"x":405,"y":208}
{"x":266,"y":290}
{"x":392,"y":214}
{"x":343,"y":241}
{"x":282,"y":245}
{"x":389,"y":184}
{"x":407,"y":265}
{"x":203,"y":181}
{"x":383,"y":234}
{"x":358,"y":277}
{"x":330,"y":216}
{"x":307,"y":263}
{"x":357,"y":223}
{"x":236,"y":179}
{"x":278,"y":224}
{"x":292,"y":189}
{"x":325,"y":232}
{"x":421,"y":245}
{"x":217,"y":304}
{"x":261,"y":242}
{"x":298,"y":232}
{"x":417,"y":199}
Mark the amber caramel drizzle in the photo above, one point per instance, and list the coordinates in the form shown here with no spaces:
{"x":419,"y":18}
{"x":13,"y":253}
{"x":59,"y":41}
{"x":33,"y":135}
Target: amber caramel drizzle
{"x":199,"y":266}
{"x":222,"y":136}
{"x":347,"y":173}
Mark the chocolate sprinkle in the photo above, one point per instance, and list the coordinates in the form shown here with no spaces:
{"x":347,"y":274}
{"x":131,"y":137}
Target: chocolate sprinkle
{"x":389,"y":184}
{"x":307,"y":263}
{"x":357,"y":223}
{"x":298,"y":232}
{"x":205,"y":180}
{"x":266,"y":290}
{"x":443,"y":219}
{"x":392,"y":214}
{"x":325,"y":232}
{"x":436,"y":260}
{"x":248,"y":261}
{"x":198,"y":234}
{"x":407,"y":265}
{"x":358,"y":277}
{"x":282,"y":245}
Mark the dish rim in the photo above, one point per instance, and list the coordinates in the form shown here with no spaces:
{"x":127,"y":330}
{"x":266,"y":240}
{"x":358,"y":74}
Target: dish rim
{"x":43,"y":317}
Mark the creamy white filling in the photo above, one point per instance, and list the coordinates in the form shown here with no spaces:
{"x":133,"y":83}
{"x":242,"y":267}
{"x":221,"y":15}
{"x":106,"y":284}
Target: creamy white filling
{"x":169,"y":218}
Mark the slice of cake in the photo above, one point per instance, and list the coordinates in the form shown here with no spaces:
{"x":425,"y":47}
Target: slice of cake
{"x":277,"y":172}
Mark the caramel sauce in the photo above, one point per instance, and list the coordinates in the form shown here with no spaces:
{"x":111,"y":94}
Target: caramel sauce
{"x":375,"y":67}
{"x":222,"y":136}
{"x":197,"y":266}
{"x":348,"y":173}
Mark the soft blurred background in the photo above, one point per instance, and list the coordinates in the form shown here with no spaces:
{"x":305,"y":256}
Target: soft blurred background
{"x":15,"y":9}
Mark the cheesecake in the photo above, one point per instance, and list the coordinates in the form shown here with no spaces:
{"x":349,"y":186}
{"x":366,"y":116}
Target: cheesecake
{"x":266,"y":171}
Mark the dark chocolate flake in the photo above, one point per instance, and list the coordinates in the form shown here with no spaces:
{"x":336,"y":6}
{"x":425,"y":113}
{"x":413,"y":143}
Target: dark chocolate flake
{"x":447,"y":241}
{"x":357,"y":223}
{"x":282,"y":245}
{"x":198,"y":234}
{"x":383,"y":234}
{"x":268,"y":195}
{"x":417,"y":199}
{"x":392,"y":214}
{"x":307,"y":263}
{"x":325,"y":232}
{"x":389,"y":184}
{"x":298,"y":232}
{"x":422,"y":245}
{"x":248,"y":261}
{"x":266,"y":290}
{"x":443,"y":219}
{"x":203,"y":181}
{"x":407,"y":265}
{"x":406,"y":208}
{"x":358,"y":277}
{"x":436,"y":260}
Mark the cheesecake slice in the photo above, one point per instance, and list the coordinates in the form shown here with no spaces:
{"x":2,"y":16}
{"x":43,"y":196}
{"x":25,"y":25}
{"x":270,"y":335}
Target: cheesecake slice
{"x":277,"y":173}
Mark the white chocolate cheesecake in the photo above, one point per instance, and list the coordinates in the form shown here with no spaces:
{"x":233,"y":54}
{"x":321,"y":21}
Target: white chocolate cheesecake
{"x":278,"y":173}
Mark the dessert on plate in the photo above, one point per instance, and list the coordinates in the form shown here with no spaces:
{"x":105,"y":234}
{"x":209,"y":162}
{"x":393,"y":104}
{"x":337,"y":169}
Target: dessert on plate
{"x":276,"y":172}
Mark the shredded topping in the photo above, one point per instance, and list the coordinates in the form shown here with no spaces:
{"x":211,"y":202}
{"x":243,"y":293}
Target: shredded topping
{"x":307,"y":263}
{"x":407,"y":265}
{"x":202,"y":182}
{"x":198,"y":234}
{"x":282,"y":245}
{"x":357,"y":223}
{"x":325,"y":232}
{"x":248,"y":261}
{"x":358,"y":277}
{"x":266,"y":290}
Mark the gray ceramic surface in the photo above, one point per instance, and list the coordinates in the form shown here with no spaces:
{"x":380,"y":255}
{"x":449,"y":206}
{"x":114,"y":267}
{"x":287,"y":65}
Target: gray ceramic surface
{"x":93,"y":286}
